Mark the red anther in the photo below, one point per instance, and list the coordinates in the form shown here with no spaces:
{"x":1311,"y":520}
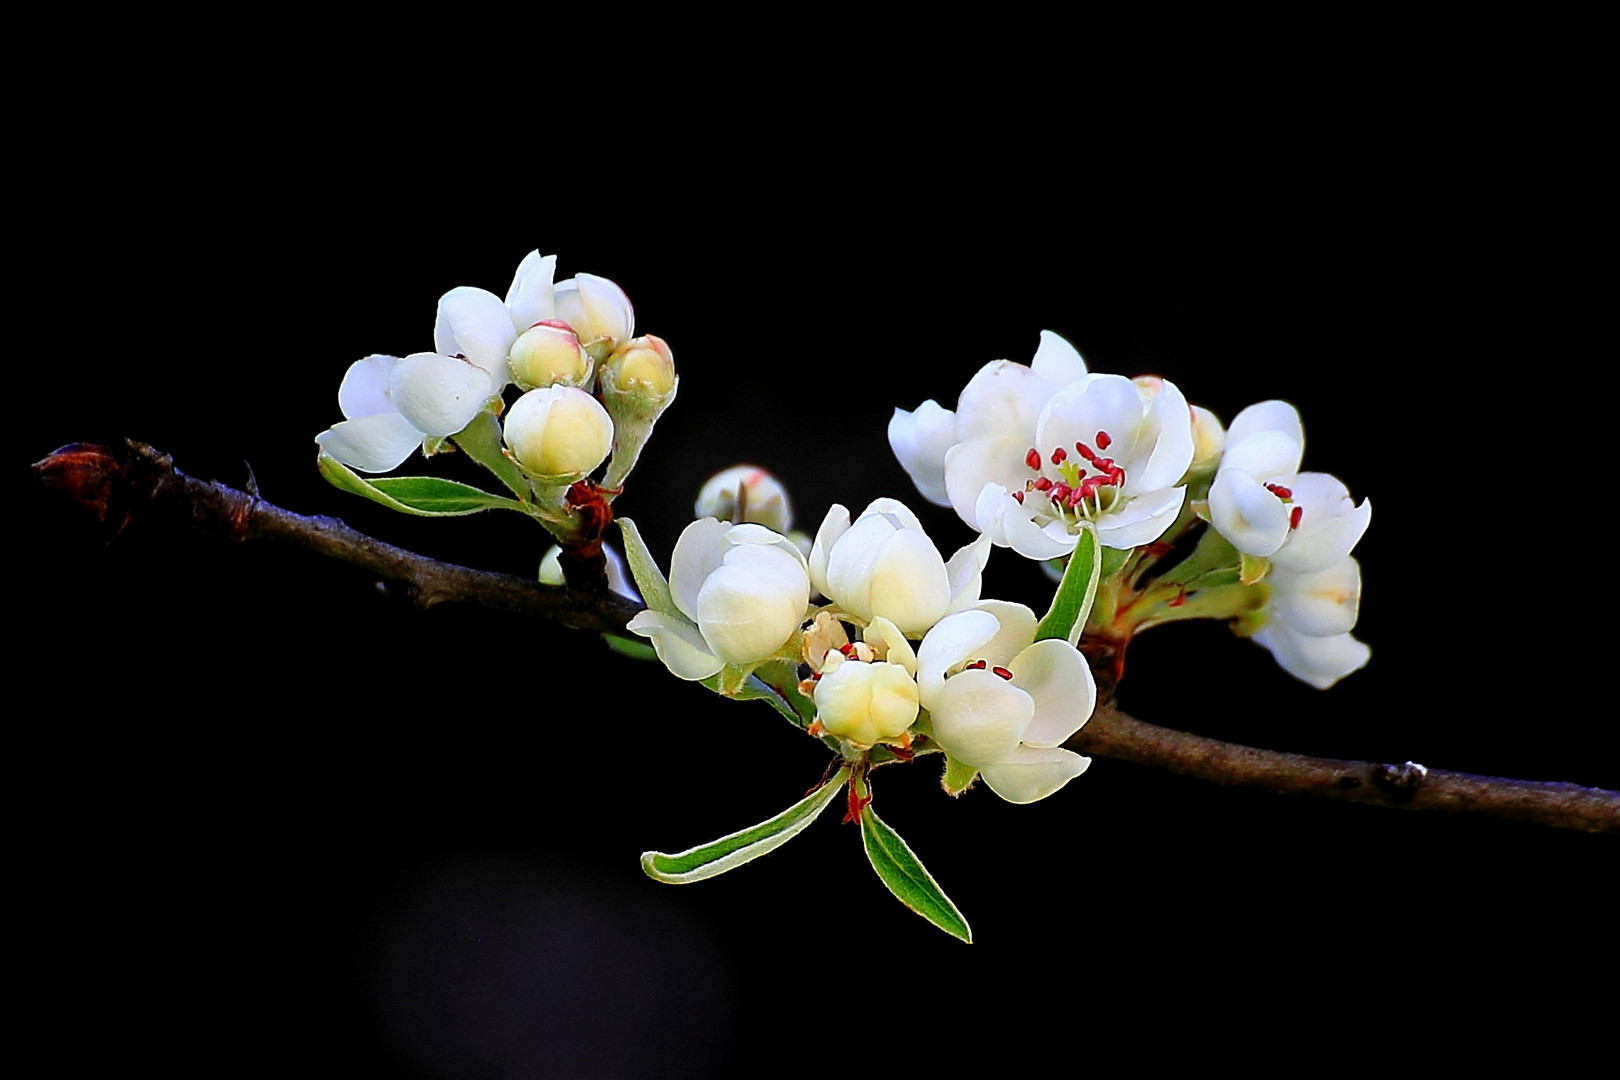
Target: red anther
{"x":816,"y":677}
{"x":977,"y":665}
{"x":1104,"y":464}
{"x":1279,"y":491}
{"x":1293,"y":518}
{"x":848,"y":650}
{"x":1103,"y":440}
{"x":1084,"y":451}
{"x":1003,"y":672}
{"x":1018,"y":495}
{"x":1059,"y":455}
{"x":1033,"y":458}
{"x":1060,"y":492}
{"x":1042,"y":483}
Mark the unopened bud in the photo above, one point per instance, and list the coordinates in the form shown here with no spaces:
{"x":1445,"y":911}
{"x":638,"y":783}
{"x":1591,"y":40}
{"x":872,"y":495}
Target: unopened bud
{"x":745,"y":493}
{"x":597,"y":309}
{"x":644,"y":364}
{"x":548,"y":353}
{"x":559,"y":431}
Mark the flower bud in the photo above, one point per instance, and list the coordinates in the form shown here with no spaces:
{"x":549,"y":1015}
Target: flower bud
{"x":643,"y":364}
{"x":745,"y":493}
{"x":865,"y":702}
{"x":559,"y":431}
{"x":548,"y":353}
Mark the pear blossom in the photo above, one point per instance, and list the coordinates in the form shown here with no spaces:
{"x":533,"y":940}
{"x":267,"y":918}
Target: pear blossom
{"x":392,"y":406}
{"x":883,"y":565}
{"x":1263,"y":504}
{"x":1034,"y":450}
{"x":741,"y":592}
{"x":1002,"y":702}
{"x":1308,"y":622}
{"x":745,"y":493}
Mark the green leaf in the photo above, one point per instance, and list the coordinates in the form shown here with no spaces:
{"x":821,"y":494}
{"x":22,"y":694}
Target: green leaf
{"x":1076,"y":592}
{"x":423,"y":496}
{"x":649,"y":579}
{"x":906,"y":878}
{"x":481,"y":441}
{"x":634,"y":648}
{"x":732,"y":851}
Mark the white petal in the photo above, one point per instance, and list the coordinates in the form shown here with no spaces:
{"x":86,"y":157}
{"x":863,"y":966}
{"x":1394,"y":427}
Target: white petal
{"x":1141,"y":520}
{"x":1057,"y":361}
{"x":833,"y":526}
{"x":1106,"y":403}
{"x":438,"y":394}
{"x":1321,"y":604}
{"x":966,"y":573}
{"x":1005,"y":521}
{"x":979,"y":717}
{"x":1059,"y":681}
{"x":894,"y":641}
{"x":373,"y":443}
{"x":1320,"y":661}
{"x":699,"y":551}
{"x":749,"y":606}
{"x":970,"y":465}
{"x":1169,"y":425}
{"x":1002,"y":400}
{"x":953,"y":639}
{"x":529,"y":299}
{"x":1265,"y":454}
{"x":364,"y":390}
{"x":1028,"y":774}
{"x":678,"y":644}
{"x":1330,"y":524}
{"x":920,"y":441}
{"x":1268,"y":416}
{"x":909,"y":585}
{"x":1016,"y":630}
{"x":595,"y":307}
{"x":1247,"y":513}
{"x":474,"y":323}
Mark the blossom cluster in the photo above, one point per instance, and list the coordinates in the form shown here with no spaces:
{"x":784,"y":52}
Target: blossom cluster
{"x":589,"y":386}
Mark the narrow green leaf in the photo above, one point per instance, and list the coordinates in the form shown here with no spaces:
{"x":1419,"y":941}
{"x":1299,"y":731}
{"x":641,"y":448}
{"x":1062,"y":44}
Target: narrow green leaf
{"x":732,"y":851}
{"x":423,"y":496}
{"x":1078,"y":589}
{"x":481,"y":441}
{"x":649,"y":579}
{"x":634,"y":648}
{"x":906,"y":878}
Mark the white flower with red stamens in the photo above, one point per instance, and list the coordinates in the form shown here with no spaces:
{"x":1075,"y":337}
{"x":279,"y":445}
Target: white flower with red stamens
{"x":741,"y":591}
{"x":884,"y":565}
{"x":1100,"y":449}
{"x":1004,"y":703}
{"x":1263,"y":504}
{"x":1309,"y":620}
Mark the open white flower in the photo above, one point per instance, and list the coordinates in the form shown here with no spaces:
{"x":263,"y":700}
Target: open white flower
{"x":393,"y":405}
{"x":741,"y":591}
{"x":1309,"y":620}
{"x":883,"y":565}
{"x":1004,"y":703}
{"x":1263,"y":504}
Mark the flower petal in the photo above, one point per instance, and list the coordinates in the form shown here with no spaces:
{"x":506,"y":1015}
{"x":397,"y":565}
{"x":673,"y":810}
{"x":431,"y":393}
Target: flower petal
{"x":1276,"y":416}
{"x":833,"y":526}
{"x":1002,"y":400}
{"x":1005,"y":521}
{"x":1015,"y":632}
{"x":474,"y":323}
{"x":1320,"y":661}
{"x":439,"y":395}
{"x":1168,"y":429}
{"x":529,"y":299}
{"x":953,"y":639}
{"x":920,"y":441}
{"x":700,"y":549}
{"x":1057,"y":361}
{"x":678,"y":644}
{"x":1247,"y":513}
{"x":1141,"y":520}
{"x":1029,"y":774}
{"x":970,"y":465}
{"x":364,"y":390}
{"x":1059,"y":681}
{"x":374,"y":444}
{"x":979,"y":718}
{"x":1322,"y":604}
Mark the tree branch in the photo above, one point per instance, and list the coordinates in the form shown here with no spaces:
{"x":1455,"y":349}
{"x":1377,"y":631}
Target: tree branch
{"x":143,"y":483}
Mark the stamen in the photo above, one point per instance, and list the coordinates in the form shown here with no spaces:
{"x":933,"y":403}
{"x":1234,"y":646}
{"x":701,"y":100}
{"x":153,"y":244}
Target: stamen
{"x":1042,"y":483}
{"x":1086,"y":452}
{"x":1018,"y":496}
{"x":1293,"y":518}
{"x":1280,"y":491}
{"x":1103,"y":440}
{"x":1003,"y":672}
{"x":1032,"y":459}
{"x":1060,"y":491}
{"x":977,"y":665}
{"x":1058,"y":455}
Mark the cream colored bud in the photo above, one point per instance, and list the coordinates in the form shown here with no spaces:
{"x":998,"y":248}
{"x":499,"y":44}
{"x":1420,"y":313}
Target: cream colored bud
{"x":559,"y":431}
{"x":1209,"y":437}
{"x":865,"y":702}
{"x":644,"y":363}
{"x":596,"y":308}
{"x":548,"y":353}
{"x":745,"y":493}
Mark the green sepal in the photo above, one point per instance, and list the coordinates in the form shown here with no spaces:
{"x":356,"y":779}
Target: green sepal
{"x":423,"y":496}
{"x":1253,"y":569}
{"x":732,"y":851}
{"x":634,"y":648}
{"x":1114,"y":560}
{"x":649,"y":579}
{"x":912,"y":885}
{"x":481,"y":441}
{"x":1078,"y":589}
{"x":957,"y":777}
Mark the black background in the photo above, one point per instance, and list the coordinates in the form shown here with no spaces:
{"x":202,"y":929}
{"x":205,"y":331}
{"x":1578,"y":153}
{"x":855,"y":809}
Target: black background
{"x":273,"y":816}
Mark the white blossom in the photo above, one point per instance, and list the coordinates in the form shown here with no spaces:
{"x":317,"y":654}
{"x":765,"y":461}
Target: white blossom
{"x":392,"y":406}
{"x":1309,"y":617}
{"x":884,"y":565}
{"x":741,"y":591}
{"x":1263,"y":504}
{"x":1004,"y":703}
